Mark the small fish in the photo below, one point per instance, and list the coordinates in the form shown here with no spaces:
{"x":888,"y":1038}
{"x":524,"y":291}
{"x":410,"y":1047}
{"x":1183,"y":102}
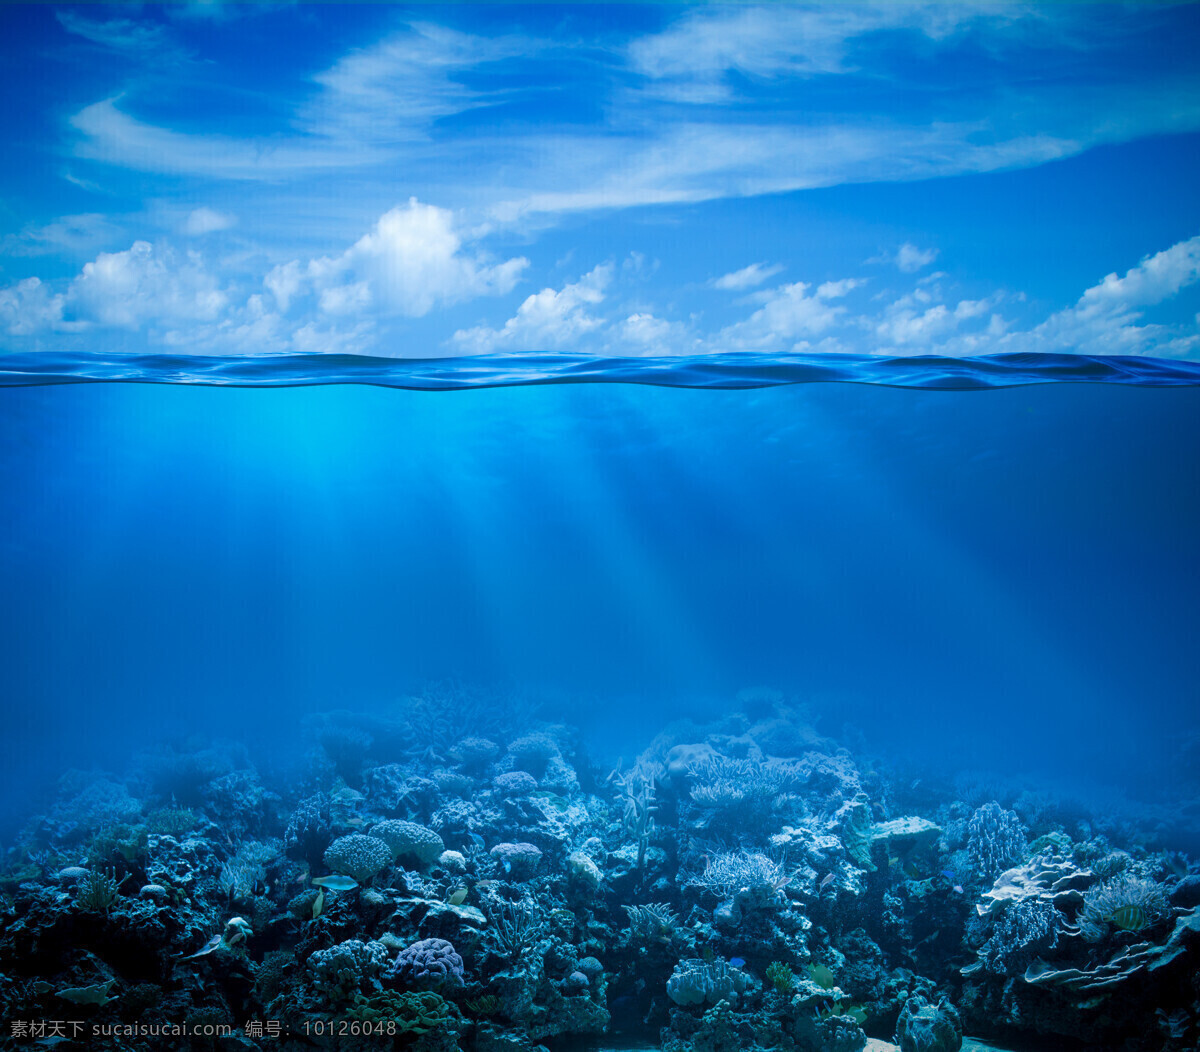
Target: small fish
{"x":948,"y":874}
{"x":1129,"y":918}
{"x":507,"y":866}
{"x":957,"y":889}
{"x":318,"y":903}
{"x":477,"y":840}
{"x":208,"y":948}
{"x":458,"y":896}
{"x":825,"y":881}
{"x":336,"y":882}
{"x":737,"y":962}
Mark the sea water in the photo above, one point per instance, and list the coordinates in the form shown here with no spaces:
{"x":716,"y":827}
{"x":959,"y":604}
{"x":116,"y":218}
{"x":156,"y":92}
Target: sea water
{"x":966,"y":573}
{"x":994,"y":579}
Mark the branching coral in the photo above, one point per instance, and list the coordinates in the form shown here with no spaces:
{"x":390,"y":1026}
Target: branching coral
{"x":996,"y":840}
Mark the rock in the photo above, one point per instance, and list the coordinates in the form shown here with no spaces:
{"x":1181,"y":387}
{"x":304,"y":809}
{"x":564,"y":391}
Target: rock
{"x":905,"y":832}
{"x":1186,"y":894}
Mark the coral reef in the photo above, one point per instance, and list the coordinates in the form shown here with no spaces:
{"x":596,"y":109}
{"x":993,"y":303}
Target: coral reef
{"x":748,"y":885}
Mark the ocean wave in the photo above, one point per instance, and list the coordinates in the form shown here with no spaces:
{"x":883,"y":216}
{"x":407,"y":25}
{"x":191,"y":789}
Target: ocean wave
{"x":718,"y":371}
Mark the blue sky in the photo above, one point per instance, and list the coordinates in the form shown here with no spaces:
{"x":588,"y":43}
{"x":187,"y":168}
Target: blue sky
{"x":620,"y":179}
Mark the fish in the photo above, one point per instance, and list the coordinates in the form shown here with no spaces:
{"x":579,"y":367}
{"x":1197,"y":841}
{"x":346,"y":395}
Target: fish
{"x":477,"y":840}
{"x":208,"y":948}
{"x":825,"y":881}
{"x":737,"y":962}
{"x":457,"y":897}
{"x":507,"y":866}
{"x":948,"y":874}
{"x":957,"y":889}
{"x":337,"y":882}
{"x":318,"y":903}
{"x":1129,"y":918}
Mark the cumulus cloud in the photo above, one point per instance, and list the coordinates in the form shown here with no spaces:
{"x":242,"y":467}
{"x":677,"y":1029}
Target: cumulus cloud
{"x":643,"y":334}
{"x":1105,"y":318}
{"x":788,"y":313}
{"x":30,"y":307}
{"x":747,"y":278}
{"x":547,"y":320}
{"x":145,"y":284}
{"x":411,"y":261}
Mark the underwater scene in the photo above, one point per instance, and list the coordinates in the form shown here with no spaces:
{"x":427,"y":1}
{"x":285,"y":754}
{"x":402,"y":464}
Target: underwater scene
{"x":595,"y":528}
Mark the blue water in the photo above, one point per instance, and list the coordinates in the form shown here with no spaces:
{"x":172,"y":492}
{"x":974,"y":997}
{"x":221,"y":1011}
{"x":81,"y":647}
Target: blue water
{"x":958,"y":579}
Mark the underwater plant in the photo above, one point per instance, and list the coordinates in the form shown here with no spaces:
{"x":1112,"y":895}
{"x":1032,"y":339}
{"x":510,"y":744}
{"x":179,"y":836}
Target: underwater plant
{"x":728,"y":872}
{"x":655,"y":920}
{"x":514,"y":927}
{"x":484,"y":1005}
{"x":98,"y":892}
{"x":781,"y":977}
{"x":637,"y":819}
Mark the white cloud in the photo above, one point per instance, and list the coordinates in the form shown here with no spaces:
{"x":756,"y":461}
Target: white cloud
{"x":747,"y":278}
{"x":411,"y":261}
{"x":384,"y":109}
{"x":204,"y":220}
{"x":145,"y":284}
{"x":832,"y":290}
{"x":30,"y":307}
{"x":394,"y":90}
{"x":75,"y":235}
{"x":547,"y":320}
{"x":1105,"y":319}
{"x":643,"y":334}
{"x":113,"y":137}
{"x":285,"y":282}
{"x":910,"y":259}
{"x":787,"y":314}
{"x":369,"y":106}
{"x":691,"y":59}
{"x":143,"y":39}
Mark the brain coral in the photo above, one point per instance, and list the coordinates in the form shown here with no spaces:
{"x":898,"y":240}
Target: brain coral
{"x":427,"y":963}
{"x":358,"y":856}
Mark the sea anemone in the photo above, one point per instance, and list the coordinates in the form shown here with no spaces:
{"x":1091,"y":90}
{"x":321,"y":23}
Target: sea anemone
{"x":1127,"y":903}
